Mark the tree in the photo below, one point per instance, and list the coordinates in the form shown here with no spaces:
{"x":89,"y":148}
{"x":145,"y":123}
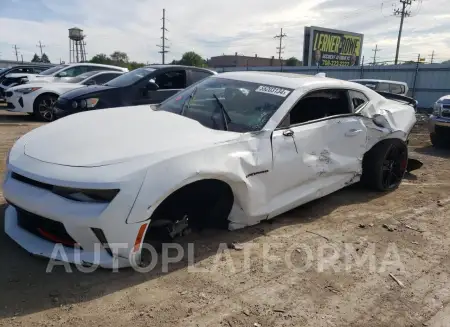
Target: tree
{"x":45,"y":59}
{"x":292,"y":62}
{"x":36,"y":58}
{"x":446,"y":62}
{"x":192,"y":59}
{"x":101,"y":58}
{"x":409,"y":62}
{"x":119,"y":57}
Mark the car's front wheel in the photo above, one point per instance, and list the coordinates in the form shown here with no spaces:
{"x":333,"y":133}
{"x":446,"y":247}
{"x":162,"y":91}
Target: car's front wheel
{"x":385,"y":164}
{"x":43,"y":107}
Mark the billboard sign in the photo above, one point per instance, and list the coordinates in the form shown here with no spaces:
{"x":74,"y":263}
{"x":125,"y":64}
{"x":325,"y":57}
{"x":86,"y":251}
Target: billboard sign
{"x":328,"y":47}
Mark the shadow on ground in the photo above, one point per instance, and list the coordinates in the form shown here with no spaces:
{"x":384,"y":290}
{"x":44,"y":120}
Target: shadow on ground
{"x":15,"y":118}
{"x":27,"y":288}
{"x":429,"y":150}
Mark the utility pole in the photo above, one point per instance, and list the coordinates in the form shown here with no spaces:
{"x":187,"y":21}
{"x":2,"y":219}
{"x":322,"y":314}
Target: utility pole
{"x":402,"y":13}
{"x":375,"y":54}
{"x":164,"y":39}
{"x":432,"y":57}
{"x":21,"y":55}
{"x":16,"y":51}
{"x":40,"y":45}
{"x":280,"y":48}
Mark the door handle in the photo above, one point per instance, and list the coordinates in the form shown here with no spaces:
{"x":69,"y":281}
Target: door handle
{"x":353,"y":132}
{"x":288,"y":132}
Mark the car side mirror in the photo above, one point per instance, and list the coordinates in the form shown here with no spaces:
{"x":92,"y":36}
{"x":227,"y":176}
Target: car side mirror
{"x":152,"y":86}
{"x":62,"y":74}
{"x":90,"y":82}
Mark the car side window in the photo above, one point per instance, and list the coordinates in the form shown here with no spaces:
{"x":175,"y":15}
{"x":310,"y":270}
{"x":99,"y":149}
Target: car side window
{"x":74,"y":71}
{"x":317,"y":105}
{"x":197,"y":75}
{"x":358,"y":99}
{"x":103,"y":78}
{"x":174,"y":79}
{"x":383,"y":87}
{"x":37,"y":70}
{"x":397,"y":89}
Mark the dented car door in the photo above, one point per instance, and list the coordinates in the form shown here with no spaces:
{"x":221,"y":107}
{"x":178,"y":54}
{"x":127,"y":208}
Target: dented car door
{"x":314,"y":159}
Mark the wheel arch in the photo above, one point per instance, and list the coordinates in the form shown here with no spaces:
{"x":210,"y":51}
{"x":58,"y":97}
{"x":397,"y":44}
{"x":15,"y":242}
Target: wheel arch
{"x":237,"y":188}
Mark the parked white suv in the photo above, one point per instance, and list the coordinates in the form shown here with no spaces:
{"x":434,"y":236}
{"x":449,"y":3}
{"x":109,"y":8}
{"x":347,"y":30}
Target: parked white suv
{"x":394,"y":87}
{"x":61,"y":72}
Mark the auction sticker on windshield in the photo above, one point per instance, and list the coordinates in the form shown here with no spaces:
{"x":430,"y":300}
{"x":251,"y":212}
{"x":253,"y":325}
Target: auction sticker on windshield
{"x":273,"y":90}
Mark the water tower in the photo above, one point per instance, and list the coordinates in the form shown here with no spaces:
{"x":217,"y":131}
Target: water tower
{"x":77,"y":46}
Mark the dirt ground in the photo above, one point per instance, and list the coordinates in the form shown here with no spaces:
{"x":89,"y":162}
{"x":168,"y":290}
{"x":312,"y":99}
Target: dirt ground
{"x":264,"y":284}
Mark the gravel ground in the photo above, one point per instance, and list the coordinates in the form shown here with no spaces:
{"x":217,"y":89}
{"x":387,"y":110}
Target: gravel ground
{"x":305,"y":268}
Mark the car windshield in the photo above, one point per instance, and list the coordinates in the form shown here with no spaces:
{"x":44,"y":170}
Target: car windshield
{"x":226,"y":104}
{"x":52,"y":70}
{"x":130,"y":78}
{"x":370,"y":85}
{"x":80,"y":78}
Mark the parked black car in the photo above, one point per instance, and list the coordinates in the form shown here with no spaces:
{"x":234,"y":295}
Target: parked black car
{"x":147,"y":85}
{"x":26,"y":69}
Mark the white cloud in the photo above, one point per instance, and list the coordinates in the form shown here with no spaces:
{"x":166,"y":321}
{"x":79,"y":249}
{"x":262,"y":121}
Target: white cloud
{"x":215,"y":27}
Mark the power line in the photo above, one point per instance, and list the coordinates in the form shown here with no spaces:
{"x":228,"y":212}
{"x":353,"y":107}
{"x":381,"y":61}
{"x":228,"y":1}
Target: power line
{"x":164,"y":39}
{"x":402,"y":13}
{"x":375,"y":54}
{"x":16,"y":51}
{"x":40,"y":45}
{"x":280,"y":48}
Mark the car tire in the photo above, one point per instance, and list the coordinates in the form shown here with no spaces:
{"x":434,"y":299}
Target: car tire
{"x":384,"y":165}
{"x":43,"y":107}
{"x":435,"y":140}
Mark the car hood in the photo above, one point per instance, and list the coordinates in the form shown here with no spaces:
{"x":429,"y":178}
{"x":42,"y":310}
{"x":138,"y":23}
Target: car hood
{"x":57,"y":86}
{"x":110,"y":136}
{"x":87,"y":91}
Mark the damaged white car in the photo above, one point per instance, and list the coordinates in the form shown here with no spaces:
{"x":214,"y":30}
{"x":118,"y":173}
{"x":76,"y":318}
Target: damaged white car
{"x":230,"y":151}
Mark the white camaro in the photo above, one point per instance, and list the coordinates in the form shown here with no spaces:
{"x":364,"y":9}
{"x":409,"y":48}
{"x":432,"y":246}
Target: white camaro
{"x":230,"y":151}
{"x":39,"y":98}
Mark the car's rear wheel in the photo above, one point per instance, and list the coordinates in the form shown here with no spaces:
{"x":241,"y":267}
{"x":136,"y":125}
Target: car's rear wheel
{"x":43,"y":107}
{"x":385,"y":164}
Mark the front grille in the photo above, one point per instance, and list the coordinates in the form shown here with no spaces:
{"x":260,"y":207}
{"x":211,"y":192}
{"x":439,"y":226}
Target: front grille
{"x":445,"y":114}
{"x":9,"y":94}
{"x":30,"y":181}
{"x":45,"y":228}
{"x":9,"y":105}
{"x":446,"y":106}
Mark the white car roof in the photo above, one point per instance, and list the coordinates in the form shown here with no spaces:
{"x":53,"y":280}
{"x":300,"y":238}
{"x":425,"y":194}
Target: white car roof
{"x":378,"y":81}
{"x":97,"y":65}
{"x":289,"y":80}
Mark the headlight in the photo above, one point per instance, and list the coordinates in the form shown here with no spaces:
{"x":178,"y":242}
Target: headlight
{"x":437,"y":108}
{"x":27,"y":90}
{"x":83,"y":103}
{"x":74,"y":105}
{"x":92,"y":102}
{"x":85,"y":195}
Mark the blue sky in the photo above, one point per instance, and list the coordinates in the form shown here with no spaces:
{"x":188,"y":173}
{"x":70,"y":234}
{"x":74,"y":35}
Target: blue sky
{"x":215,"y":27}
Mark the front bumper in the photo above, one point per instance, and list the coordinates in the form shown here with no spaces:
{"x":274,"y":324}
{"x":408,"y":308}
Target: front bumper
{"x":77,"y":221}
{"x":16,"y":103}
{"x":438,"y":121}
